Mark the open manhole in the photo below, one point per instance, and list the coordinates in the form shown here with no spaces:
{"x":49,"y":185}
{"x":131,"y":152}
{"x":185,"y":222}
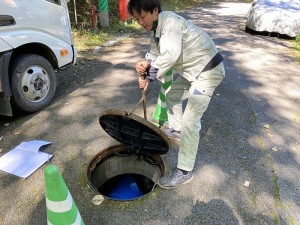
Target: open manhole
{"x":130,"y":170}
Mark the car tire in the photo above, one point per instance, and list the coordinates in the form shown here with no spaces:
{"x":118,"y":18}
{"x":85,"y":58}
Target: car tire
{"x":33,"y":82}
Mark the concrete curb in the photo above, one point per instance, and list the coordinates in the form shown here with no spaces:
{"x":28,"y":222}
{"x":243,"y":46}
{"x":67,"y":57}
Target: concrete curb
{"x":112,"y":42}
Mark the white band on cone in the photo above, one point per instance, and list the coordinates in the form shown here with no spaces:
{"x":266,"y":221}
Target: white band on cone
{"x":77,"y":222}
{"x":62,"y":206}
{"x":78,"y":219}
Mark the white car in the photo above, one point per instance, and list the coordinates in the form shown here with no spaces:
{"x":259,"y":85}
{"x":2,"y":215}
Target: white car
{"x":278,"y":16}
{"x":35,"y":40}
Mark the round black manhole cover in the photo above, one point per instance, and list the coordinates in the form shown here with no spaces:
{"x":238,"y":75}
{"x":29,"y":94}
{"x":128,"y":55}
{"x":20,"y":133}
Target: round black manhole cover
{"x":130,"y":170}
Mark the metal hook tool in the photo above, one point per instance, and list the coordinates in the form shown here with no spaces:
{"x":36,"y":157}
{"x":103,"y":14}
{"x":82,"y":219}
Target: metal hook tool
{"x":143,"y":99}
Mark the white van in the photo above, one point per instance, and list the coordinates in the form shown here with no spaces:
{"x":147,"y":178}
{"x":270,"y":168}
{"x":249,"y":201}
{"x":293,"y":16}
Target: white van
{"x":35,"y":41}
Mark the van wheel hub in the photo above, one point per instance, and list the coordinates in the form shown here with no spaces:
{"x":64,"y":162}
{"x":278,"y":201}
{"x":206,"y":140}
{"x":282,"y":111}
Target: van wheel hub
{"x":35,"y":83}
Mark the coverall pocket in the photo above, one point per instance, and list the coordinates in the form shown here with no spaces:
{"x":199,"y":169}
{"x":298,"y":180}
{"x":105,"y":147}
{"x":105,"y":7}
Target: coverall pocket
{"x":208,"y":81}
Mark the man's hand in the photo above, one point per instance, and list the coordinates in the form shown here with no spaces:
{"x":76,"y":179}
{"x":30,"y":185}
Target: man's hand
{"x":143,"y":83}
{"x":142,"y":66}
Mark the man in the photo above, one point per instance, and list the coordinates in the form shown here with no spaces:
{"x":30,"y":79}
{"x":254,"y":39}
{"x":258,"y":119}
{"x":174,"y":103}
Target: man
{"x":178,"y":44}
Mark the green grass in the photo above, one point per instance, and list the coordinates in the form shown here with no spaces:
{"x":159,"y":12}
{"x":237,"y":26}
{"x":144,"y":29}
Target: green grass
{"x":296,"y":49}
{"x":86,"y":39}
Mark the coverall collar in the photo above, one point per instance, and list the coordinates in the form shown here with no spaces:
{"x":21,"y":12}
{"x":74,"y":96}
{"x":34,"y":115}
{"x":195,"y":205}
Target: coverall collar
{"x":157,"y":31}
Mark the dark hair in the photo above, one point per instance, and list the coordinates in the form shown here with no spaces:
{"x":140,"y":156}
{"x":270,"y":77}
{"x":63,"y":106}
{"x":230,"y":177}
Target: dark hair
{"x":145,"y":5}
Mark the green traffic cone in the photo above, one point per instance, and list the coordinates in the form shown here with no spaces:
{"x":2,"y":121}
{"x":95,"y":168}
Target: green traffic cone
{"x":61,"y":208}
{"x":160,"y":114}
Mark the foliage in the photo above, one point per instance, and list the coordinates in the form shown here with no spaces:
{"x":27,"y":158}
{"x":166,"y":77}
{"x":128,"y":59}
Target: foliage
{"x":296,"y":49}
{"x":86,"y":39}
{"x":82,"y":9}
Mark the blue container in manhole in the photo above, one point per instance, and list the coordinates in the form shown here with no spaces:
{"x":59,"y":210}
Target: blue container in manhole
{"x":130,"y":170}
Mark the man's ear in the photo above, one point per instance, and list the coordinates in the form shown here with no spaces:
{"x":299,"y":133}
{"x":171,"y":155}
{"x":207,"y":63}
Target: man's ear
{"x":155,"y":13}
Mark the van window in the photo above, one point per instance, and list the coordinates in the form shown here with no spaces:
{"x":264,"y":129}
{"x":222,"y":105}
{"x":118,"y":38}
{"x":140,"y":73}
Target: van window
{"x":57,"y":2}
{"x":6,"y":20}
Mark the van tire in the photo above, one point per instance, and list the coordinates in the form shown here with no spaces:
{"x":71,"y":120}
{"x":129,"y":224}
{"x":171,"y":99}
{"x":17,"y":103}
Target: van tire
{"x":33,"y":82}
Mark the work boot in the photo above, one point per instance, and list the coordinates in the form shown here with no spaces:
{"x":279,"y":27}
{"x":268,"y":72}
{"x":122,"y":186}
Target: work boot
{"x":175,"y":179}
{"x":171,"y":133}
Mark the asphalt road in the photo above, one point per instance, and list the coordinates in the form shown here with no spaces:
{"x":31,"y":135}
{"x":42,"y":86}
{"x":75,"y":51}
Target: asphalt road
{"x":250,"y":135}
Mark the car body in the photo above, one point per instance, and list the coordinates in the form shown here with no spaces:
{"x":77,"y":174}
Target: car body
{"x":35,"y":41}
{"x":277,"y":16}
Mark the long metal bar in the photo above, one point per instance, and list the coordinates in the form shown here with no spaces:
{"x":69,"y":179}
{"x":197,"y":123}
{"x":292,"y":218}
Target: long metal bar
{"x":143,"y":99}
{"x":144,"y":103}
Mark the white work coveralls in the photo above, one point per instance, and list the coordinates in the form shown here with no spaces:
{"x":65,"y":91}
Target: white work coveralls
{"x":180,"y":45}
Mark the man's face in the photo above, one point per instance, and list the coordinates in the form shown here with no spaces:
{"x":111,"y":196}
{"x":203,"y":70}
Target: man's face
{"x":145,"y":19}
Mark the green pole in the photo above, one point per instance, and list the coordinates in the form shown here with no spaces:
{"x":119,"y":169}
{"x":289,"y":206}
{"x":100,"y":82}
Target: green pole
{"x":160,"y":114}
{"x":103,"y":8}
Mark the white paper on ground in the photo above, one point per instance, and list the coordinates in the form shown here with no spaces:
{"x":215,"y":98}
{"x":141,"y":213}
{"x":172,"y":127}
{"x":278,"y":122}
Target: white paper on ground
{"x":24,"y":159}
